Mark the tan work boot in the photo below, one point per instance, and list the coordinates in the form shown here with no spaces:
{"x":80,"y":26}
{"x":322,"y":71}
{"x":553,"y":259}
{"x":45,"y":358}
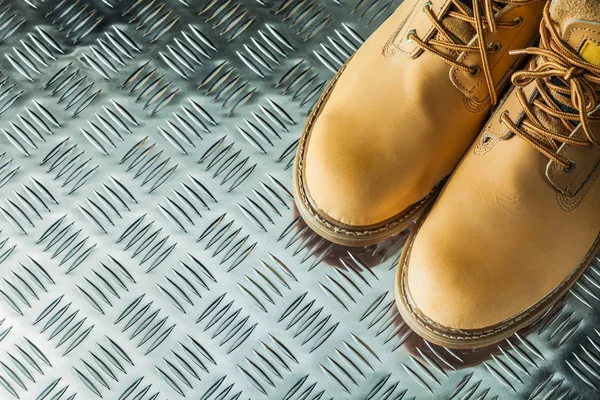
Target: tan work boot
{"x":398,"y":117}
{"x":519,"y":219}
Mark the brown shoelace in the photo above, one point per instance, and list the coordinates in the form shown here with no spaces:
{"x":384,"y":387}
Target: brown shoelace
{"x":489,"y":13}
{"x":556,"y":61}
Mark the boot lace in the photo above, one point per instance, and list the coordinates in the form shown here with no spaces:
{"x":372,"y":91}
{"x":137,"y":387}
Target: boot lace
{"x":556,"y":68}
{"x":482,"y":10}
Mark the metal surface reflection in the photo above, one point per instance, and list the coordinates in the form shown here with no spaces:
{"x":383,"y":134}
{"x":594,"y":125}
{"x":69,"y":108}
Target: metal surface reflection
{"x":149,"y":246}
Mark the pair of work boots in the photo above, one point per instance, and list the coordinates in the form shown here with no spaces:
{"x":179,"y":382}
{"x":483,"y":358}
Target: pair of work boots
{"x":507,"y":208}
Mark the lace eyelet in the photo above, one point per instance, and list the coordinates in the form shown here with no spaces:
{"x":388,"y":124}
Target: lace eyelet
{"x":485,"y":139}
{"x":428,"y":4}
{"x":570,"y":167}
{"x":518,"y":21}
{"x":494,"y":46}
{"x":409,"y":34}
{"x":474,"y":71}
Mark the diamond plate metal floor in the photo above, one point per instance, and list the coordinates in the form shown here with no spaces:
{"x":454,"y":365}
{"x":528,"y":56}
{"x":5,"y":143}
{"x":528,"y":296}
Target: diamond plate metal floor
{"x":149,"y":245}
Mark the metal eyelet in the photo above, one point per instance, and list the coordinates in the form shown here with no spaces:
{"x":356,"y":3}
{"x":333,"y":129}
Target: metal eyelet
{"x":475,"y":70}
{"x":485,"y":139}
{"x":570,"y":167}
{"x":409,"y":33}
{"x":518,"y":21}
{"x":427,"y":4}
{"x":494,"y":46}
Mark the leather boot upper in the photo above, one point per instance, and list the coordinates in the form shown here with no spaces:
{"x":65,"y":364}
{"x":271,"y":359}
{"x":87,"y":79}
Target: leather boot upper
{"x":398,"y":119}
{"x":521,"y":212}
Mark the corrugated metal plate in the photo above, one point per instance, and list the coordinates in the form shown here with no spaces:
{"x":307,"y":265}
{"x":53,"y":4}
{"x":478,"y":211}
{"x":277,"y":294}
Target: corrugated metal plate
{"x":149,"y":245}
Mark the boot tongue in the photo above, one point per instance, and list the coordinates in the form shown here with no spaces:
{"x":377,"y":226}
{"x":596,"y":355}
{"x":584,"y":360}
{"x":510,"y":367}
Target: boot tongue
{"x":578,"y":15}
{"x":462,"y":30}
{"x":573,"y":16}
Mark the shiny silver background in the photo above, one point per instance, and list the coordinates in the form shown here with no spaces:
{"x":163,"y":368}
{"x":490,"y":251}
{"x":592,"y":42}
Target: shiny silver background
{"x":149,"y":245}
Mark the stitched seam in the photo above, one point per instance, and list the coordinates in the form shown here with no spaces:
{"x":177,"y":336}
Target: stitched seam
{"x":500,"y":106}
{"x":583,"y":37}
{"x":482,"y":148}
{"x":555,"y":178}
{"x":472,"y":106}
{"x":478,"y":334}
{"x":520,"y":117}
{"x":552,"y":168}
{"x":301,"y":150}
{"x":429,"y":32}
{"x":389,"y":49}
{"x":567,"y":203}
{"x":411,"y":17}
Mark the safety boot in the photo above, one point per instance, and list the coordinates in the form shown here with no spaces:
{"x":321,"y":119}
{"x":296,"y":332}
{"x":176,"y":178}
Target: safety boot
{"x":399,"y":115}
{"x":519,"y":219}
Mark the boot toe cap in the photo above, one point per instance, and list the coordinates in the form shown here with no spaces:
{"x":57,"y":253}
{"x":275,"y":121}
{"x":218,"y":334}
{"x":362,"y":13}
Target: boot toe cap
{"x":458,"y":285}
{"x":351,"y":178}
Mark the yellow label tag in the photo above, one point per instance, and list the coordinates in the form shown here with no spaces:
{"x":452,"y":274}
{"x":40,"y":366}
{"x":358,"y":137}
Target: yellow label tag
{"x":590,"y":52}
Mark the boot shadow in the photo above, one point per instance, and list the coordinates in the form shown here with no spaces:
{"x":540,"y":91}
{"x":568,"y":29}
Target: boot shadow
{"x":331,"y":253}
{"x":372,"y":256}
{"x":457,"y":359}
